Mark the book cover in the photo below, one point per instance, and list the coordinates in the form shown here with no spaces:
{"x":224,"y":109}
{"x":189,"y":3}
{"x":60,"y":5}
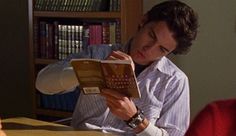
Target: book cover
{"x":42,"y":39}
{"x":94,"y":75}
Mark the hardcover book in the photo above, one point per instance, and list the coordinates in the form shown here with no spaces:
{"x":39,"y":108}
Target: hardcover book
{"x":94,"y":75}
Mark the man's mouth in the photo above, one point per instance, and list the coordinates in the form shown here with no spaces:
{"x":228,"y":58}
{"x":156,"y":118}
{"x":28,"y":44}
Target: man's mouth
{"x":140,"y":54}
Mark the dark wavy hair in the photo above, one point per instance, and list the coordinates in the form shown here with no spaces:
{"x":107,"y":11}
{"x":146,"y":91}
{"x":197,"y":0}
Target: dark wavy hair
{"x":181,"y":20}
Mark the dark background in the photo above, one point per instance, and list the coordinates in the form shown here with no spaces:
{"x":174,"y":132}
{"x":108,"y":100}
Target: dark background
{"x":15,"y":98}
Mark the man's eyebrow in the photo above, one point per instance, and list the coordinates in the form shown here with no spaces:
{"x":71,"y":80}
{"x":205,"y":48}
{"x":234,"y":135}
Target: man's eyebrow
{"x":167,"y":50}
{"x":154,"y":34}
{"x":156,"y":38}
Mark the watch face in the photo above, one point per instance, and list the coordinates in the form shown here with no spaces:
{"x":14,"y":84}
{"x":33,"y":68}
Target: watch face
{"x":136,"y":120}
{"x":132,"y":125}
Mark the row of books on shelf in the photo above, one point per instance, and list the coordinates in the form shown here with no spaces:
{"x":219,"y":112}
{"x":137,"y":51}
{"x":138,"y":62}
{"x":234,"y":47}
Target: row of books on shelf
{"x":62,"y":102}
{"x":57,"y":41}
{"x":77,"y":5}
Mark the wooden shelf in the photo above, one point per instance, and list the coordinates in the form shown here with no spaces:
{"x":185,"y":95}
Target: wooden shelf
{"x":53,"y":113}
{"x":129,"y":18}
{"x":77,"y":14}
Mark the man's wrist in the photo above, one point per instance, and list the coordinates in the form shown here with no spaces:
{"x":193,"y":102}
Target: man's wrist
{"x":136,"y":119}
{"x":138,"y":122}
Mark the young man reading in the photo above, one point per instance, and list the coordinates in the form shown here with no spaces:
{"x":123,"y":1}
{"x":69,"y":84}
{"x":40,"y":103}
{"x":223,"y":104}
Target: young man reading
{"x":163,"y":109}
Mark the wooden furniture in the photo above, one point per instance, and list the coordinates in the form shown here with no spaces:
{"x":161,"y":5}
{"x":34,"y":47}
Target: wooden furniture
{"x":22,"y":126}
{"x":129,"y":15}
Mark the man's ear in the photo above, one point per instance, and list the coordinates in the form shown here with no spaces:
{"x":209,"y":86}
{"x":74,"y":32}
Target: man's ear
{"x":143,"y":21}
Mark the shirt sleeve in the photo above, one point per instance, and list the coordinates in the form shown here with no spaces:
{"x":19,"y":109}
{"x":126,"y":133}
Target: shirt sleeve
{"x":56,"y":78}
{"x":175,"y":114}
{"x":60,"y":77}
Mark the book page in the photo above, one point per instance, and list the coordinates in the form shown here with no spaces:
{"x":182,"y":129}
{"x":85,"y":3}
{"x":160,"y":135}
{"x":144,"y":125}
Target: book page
{"x":94,"y":75}
{"x":89,"y":74}
{"x":120,"y":76}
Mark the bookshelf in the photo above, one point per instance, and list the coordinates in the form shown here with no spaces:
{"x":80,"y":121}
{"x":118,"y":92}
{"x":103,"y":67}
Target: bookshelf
{"x":41,"y":12}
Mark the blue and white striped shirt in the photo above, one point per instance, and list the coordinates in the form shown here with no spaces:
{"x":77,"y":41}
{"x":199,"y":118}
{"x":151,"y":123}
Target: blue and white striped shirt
{"x":165,"y":99}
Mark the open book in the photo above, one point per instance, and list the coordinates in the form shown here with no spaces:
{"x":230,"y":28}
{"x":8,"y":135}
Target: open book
{"x":94,"y":75}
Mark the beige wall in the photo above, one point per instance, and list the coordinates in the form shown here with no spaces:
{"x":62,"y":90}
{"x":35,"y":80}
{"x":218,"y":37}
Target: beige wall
{"x":211,"y":63}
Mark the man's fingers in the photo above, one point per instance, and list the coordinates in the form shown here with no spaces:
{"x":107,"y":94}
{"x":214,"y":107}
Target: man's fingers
{"x":112,"y":93}
{"x":118,"y":55}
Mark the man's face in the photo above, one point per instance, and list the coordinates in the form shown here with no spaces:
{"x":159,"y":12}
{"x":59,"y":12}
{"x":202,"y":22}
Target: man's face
{"x":153,"y":41}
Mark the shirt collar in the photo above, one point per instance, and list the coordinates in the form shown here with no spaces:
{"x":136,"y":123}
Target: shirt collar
{"x":164,"y":65}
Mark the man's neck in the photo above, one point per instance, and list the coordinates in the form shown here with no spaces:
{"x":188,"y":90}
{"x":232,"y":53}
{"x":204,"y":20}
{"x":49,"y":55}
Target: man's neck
{"x":139,"y":68}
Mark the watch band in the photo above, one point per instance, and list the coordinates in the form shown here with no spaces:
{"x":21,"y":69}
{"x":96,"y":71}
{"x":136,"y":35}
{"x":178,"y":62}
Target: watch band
{"x":138,"y":118}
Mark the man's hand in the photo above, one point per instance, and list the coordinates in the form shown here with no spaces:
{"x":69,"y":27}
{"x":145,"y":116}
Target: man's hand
{"x":118,"y":55}
{"x":120,"y":105}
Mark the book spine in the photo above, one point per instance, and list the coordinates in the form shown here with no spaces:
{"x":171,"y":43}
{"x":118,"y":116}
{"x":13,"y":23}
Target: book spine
{"x":104,"y":5}
{"x":118,"y":5}
{"x":53,"y":5}
{"x":64,"y":5}
{"x":50,"y":48}
{"x":73,"y":6}
{"x":115,"y":3}
{"x":69,"y":48}
{"x":98,"y":34}
{"x":105,"y":32}
{"x":42,"y":39}
{"x":36,"y":4}
{"x":98,"y":5}
{"x":118,"y":32}
{"x":73,"y":39}
{"x":112,"y":28}
{"x":56,"y":40}
{"x":81,"y":47}
{"x":78,"y":5}
{"x":60,"y":41}
{"x":65,"y":40}
{"x":111,"y":5}
{"x":90,"y":4}
{"x":76,"y":47}
{"x":85,"y":6}
{"x":81,"y":6}
{"x":41,"y":4}
{"x":46,"y":6}
{"x":36,"y":40}
{"x":86,"y":34}
{"x":58,"y":7}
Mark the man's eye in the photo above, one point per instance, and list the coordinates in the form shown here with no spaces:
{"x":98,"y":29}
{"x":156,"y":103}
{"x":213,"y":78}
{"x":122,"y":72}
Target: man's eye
{"x":162,"y":49}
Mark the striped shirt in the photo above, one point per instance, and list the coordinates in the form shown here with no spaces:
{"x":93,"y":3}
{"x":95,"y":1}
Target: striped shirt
{"x":164,"y":99}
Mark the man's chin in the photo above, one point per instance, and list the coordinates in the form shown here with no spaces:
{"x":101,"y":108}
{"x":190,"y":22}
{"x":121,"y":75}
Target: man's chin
{"x":140,"y":62}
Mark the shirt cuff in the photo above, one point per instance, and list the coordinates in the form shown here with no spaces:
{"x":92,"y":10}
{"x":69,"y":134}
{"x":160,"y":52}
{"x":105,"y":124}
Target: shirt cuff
{"x":152,"y":130}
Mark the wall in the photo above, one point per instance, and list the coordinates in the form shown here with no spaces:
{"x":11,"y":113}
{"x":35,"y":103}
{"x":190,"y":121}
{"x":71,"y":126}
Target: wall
{"x":211,"y":63}
{"x":15,"y":97}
